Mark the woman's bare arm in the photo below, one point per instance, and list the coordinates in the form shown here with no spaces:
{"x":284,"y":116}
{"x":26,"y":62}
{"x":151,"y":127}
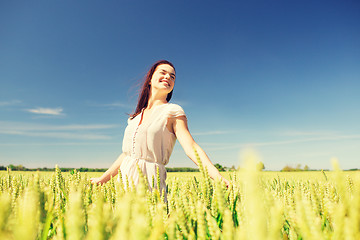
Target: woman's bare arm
{"x":111,"y":172}
{"x":182,"y":133}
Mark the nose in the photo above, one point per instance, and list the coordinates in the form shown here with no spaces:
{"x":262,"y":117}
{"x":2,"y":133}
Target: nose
{"x":167,"y":75}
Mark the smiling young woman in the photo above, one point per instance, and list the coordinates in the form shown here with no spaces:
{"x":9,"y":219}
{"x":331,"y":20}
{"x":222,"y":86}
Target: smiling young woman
{"x":152,"y":132}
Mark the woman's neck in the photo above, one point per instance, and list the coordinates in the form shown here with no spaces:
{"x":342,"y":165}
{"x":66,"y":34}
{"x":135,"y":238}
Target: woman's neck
{"x":155,"y":99}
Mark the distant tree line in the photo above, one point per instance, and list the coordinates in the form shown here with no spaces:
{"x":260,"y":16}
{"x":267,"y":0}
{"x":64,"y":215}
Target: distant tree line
{"x":182,"y":169}
{"x":46,"y":169}
{"x":82,"y":169}
{"x":260,"y":167}
{"x":298,"y":168}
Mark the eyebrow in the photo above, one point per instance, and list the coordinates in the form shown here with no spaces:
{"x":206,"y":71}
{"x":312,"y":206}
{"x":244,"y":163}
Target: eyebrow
{"x":172,"y":74}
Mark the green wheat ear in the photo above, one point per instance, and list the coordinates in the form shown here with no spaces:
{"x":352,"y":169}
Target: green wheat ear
{"x":201,"y":166}
{"x":322,"y":171}
{"x":206,"y":186}
{"x":142,"y":178}
{"x":158,"y":177}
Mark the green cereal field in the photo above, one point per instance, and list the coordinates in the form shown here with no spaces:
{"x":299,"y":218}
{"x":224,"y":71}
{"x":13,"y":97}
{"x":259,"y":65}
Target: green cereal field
{"x":257,"y":205}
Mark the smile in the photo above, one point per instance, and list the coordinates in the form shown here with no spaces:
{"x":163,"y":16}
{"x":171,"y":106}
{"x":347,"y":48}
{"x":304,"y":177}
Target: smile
{"x":165,"y":81}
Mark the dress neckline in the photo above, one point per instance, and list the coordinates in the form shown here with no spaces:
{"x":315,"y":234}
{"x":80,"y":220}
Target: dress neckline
{"x":151,"y":114}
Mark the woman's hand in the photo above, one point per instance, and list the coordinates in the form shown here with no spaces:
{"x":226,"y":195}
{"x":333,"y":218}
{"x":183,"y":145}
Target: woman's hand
{"x":95,"y":180}
{"x":111,"y":172}
{"x":227,"y":182}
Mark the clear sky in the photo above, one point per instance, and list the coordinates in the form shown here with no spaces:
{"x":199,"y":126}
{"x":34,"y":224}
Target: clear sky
{"x":281,"y":77}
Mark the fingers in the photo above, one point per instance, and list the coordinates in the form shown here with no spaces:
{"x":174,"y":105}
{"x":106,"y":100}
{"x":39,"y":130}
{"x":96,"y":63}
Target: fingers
{"x":95,"y":180}
{"x":227,"y":183}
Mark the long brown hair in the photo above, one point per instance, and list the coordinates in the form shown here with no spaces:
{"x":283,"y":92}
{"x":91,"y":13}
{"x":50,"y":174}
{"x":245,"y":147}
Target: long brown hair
{"x":145,"y":90}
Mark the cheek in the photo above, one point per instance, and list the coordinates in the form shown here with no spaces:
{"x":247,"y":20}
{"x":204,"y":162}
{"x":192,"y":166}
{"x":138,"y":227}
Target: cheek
{"x":153,"y":81}
{"x":154,"y":78}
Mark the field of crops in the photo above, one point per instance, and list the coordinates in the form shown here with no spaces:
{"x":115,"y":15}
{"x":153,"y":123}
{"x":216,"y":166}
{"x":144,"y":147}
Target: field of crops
{"x":257,"y":205}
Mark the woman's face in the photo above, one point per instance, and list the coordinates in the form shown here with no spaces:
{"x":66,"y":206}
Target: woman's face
{"x":163,"y":78}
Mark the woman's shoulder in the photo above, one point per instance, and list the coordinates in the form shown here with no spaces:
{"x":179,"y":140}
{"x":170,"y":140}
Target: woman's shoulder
{"x":173,"y":105}
{"x":175,"y":110}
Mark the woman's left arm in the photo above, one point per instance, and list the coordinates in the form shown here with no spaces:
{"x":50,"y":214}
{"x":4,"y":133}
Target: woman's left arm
{"x":187,"y":142}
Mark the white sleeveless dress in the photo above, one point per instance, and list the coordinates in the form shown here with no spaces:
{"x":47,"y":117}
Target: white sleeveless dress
{"x":149,"y":145}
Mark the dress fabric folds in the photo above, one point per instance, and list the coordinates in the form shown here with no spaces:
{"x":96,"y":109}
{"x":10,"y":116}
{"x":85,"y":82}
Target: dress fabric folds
{"x":149,"y":145}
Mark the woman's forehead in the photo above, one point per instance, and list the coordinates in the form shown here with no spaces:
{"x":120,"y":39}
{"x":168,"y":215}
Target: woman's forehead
{"x":165,"y":67}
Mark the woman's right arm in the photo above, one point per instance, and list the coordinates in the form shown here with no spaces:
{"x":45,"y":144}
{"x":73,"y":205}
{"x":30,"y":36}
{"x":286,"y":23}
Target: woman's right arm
{"x":111,"y":172}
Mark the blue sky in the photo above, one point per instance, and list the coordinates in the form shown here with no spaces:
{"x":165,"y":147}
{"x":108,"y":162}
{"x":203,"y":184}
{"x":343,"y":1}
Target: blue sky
{"x":281,"y":77}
